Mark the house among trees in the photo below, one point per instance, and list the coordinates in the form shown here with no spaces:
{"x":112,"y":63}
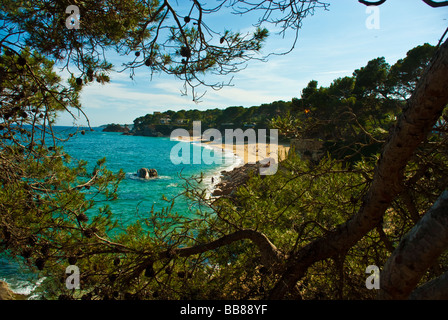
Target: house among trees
{"x":165,"y":120}
{"x":181,"y":121}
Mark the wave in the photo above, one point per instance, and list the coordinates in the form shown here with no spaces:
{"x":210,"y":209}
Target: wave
{"x":24,"y":287}
{"x":133,"y":176}
{"x":229,"y":161}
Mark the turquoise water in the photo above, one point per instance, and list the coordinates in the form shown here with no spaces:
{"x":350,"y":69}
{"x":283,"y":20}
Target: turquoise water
{"x":136,"y":196}
{"x":131,"y":153}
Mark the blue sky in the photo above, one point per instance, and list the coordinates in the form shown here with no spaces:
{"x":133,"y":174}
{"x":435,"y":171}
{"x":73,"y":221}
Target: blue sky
{"x":331,"y":44}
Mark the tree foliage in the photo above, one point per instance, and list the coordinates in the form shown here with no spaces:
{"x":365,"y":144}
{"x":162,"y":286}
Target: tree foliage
{"x":354,"y":114}
{"x":160,"y":36}
{"x":230,"y":117}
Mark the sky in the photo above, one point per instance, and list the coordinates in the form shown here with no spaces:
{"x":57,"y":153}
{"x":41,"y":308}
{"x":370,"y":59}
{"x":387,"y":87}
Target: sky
{"x":332,"y":43}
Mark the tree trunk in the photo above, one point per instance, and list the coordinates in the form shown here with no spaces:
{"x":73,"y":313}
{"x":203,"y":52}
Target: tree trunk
{"x":436,"y":289}
{"x":419,"y":116}
{"x":417,"y":251}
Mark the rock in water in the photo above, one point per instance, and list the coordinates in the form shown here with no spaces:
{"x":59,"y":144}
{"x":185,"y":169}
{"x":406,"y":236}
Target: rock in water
{"x":153,"y":173}
{"x":145,"y":173}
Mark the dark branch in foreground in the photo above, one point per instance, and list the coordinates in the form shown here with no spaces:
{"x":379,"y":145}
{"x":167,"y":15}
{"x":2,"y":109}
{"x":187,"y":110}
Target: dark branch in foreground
{"x":436,"y":289}
{"x":270,"y":255}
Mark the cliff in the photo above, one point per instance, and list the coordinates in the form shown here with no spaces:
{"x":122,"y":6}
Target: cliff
{"x":155,"y":130}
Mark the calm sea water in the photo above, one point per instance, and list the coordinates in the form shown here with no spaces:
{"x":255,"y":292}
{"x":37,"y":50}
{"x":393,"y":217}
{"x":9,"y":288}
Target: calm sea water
{"x":136,"y":196}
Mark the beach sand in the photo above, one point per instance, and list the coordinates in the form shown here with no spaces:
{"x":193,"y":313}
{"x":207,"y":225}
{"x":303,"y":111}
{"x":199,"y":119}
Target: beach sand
{"x":224,"y":182}
{"x":249,"y":153}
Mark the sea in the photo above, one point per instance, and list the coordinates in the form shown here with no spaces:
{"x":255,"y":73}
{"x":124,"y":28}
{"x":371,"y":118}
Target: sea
{"x":136,"y":196}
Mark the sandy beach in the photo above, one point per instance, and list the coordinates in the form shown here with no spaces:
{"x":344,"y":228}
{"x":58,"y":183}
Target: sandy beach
{"x":249,"y":153}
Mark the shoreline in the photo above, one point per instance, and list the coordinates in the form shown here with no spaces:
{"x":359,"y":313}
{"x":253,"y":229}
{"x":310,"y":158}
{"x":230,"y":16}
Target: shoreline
{"x":214,"y":177}
{"x":249,"y":155}
{"x":6,"y":293}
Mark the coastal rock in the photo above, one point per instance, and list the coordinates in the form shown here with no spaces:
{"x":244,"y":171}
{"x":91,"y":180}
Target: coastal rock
{"x":116,"y":128}
{"x":217,"y":193}
{"x":153,"y":173}
{"x":145,"y":173}
{"x":231,"y":180}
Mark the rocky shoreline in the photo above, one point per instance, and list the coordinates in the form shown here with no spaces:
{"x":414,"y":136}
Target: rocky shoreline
{"x":7,"y":294}
{"x":231,"y":180}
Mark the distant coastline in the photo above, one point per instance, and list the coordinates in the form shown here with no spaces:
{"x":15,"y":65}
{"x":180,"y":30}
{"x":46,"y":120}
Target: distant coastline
{"x":113,"y":127}
{"x":246,"y":156}
{"x":249,"y":153}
